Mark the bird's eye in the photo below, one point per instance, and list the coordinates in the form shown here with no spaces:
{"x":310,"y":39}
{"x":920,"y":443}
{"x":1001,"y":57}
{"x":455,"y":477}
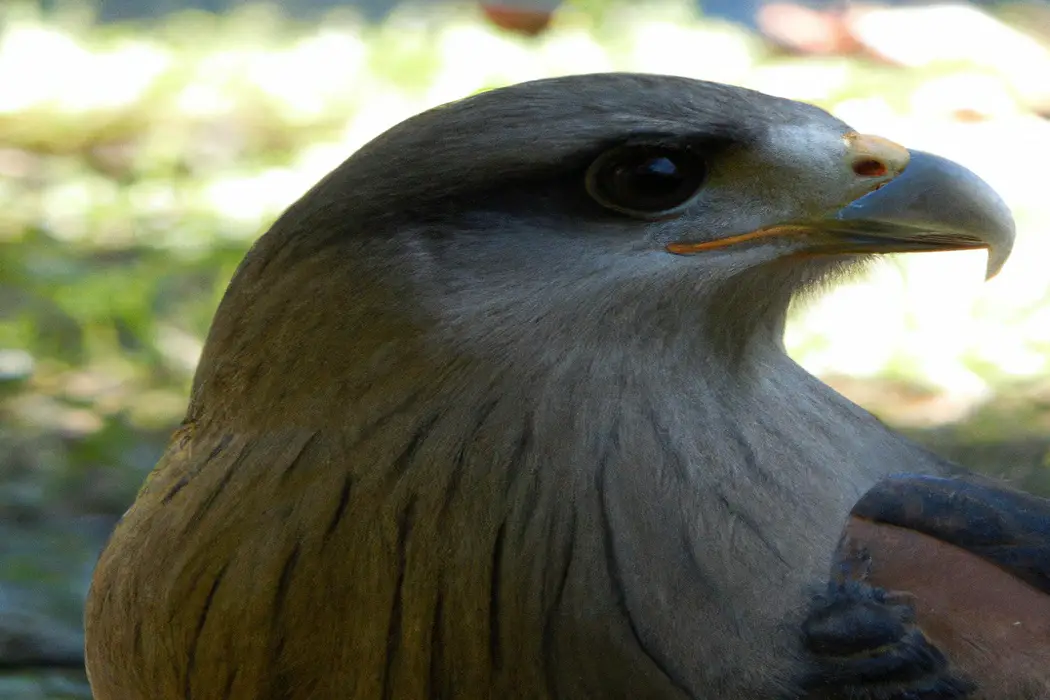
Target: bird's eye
{"x":649,"y":182}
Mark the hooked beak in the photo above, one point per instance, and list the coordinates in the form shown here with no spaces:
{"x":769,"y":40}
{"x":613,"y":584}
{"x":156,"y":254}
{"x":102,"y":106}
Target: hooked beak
{"x":933,"y":204}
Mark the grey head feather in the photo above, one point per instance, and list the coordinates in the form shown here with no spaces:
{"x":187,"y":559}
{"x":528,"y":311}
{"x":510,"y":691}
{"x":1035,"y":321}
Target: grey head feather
{"x":483,"y":199}
{"x":582,"y":467}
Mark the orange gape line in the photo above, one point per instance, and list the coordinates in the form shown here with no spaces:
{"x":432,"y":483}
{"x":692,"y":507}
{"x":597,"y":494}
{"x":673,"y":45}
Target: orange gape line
{"x":689,"y":248}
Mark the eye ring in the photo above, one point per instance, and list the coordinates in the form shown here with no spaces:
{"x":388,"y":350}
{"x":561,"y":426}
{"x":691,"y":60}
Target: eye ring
{"x":646,"y":181}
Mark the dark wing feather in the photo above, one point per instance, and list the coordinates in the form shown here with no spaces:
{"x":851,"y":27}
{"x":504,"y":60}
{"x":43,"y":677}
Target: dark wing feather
{"x":1007,"y":527}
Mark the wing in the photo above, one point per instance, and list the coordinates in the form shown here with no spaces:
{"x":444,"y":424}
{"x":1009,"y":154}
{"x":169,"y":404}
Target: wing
{"x":974,"y":555}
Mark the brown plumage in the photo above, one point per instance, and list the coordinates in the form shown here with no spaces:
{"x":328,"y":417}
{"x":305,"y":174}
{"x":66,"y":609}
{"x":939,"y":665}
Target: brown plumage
{"x":463,"y":426}
{"x":974,"y":558}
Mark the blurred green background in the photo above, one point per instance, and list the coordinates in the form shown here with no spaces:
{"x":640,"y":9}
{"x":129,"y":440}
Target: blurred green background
{"x":140,"y":159}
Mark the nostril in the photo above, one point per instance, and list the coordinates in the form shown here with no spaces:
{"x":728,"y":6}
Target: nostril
{"x":870,"y":167}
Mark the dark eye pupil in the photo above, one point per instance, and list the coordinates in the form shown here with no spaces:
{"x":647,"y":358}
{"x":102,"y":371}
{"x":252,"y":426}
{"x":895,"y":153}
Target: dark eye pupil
{"x":652,"y":178}
{"x":648,"y":180}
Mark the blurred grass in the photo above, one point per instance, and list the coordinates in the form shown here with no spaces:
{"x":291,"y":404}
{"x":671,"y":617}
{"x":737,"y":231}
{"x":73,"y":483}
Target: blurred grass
{"x":138,"y":163}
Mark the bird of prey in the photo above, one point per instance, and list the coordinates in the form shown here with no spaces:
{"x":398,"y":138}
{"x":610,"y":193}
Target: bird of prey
{"x":500,"y":408}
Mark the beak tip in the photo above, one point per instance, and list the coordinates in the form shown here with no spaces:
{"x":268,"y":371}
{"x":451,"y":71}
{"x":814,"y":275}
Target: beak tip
{"x":936,"y":196}
{"x":996,"y":261}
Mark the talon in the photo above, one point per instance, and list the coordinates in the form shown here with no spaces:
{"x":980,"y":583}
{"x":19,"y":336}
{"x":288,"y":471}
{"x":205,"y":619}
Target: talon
{"x":866,"y":647}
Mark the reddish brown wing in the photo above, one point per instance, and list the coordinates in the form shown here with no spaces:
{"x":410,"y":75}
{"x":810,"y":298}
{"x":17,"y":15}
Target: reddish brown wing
{"x":976,"y":557}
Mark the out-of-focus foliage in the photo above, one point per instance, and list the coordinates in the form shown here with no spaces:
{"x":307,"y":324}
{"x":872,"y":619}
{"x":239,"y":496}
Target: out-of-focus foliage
{"x":138,"y":163}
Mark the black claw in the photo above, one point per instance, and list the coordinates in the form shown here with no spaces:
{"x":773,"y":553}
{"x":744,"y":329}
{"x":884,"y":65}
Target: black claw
{"x":847,"y":627}
{"x":865,"y":645}
{"x":949,"y":688}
